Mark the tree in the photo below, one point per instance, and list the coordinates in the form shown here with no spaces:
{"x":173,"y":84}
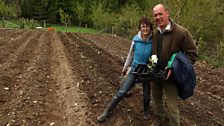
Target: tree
{"x":65,"y":18}
{"x":80,"y":12}
{"x":7,"y":10}
{"x":128,"y":19}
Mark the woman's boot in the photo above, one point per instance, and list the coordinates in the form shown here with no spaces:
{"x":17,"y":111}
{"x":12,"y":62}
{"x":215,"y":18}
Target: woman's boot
{"x":108,"y":109}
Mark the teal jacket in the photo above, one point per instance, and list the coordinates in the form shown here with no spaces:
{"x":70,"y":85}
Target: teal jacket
{"x":142,"y":51}
{"x":139,"y":52}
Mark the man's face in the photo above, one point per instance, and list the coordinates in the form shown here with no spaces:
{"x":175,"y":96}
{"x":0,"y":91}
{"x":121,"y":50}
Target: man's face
{"x":161,"y":16}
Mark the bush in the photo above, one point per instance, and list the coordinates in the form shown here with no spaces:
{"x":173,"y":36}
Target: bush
{"x":27,"y":24}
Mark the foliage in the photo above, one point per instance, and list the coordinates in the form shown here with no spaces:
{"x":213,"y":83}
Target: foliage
{"x":61,"y":28}
{"x":8,"y":24}
{"x":8,"y":10}
{"x":128,"y":20}
{"x":101,"y":19}
{"x":27,"y":24}
{"x":65,"y":18}
{"x":80,"y":11}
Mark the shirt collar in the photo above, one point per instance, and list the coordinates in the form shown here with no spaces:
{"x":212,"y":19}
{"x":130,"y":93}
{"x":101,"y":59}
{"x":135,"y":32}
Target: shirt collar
{"x":167,"y":28}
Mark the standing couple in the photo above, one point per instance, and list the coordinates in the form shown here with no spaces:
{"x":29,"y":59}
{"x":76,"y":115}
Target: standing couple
{"x":169,"y":38}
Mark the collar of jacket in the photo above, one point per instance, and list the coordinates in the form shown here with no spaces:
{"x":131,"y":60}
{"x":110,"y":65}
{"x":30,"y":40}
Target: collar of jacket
{"x":168,"y":29}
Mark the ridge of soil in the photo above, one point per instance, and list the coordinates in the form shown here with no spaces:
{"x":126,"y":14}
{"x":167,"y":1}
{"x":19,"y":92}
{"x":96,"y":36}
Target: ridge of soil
{"x":67,"y":79}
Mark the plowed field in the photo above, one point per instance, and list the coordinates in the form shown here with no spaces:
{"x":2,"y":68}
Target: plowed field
{"x":67,"y":79}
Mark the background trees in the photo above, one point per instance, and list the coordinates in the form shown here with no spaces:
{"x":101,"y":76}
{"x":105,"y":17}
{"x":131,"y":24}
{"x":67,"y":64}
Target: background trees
{"x":204,"y":18}
{"x":10,"y":10}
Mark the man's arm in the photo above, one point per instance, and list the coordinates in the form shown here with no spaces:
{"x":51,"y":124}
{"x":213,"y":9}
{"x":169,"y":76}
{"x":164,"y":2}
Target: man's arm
{"x":189,"y":47}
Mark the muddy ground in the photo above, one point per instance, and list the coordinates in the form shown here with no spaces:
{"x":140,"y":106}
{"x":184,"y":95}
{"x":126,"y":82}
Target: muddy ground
{"x":67,"y":79}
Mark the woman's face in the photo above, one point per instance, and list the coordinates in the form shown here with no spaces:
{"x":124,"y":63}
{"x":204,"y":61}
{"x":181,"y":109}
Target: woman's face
{"x":145,"y":29}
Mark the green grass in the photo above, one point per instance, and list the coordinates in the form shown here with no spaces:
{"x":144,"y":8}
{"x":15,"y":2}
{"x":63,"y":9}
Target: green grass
{"x":11,"y":24}
{"x":215,"y":61}
{"x":72,"y":29}
{"x":60,"y":28}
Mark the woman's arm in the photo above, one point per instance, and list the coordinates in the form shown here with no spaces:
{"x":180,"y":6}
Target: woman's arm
{"x":129,"y":58}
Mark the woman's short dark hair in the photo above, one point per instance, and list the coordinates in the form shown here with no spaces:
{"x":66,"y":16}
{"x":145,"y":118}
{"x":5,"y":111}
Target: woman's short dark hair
{"x":145,"y":20}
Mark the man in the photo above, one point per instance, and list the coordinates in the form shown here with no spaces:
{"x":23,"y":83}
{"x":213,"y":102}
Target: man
{"x":170,"y":38}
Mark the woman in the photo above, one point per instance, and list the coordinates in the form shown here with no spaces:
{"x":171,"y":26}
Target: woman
{"x":139,"y":53}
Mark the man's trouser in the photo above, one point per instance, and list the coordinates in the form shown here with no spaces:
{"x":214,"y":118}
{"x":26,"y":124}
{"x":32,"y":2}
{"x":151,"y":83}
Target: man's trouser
{"x":170,"y":97}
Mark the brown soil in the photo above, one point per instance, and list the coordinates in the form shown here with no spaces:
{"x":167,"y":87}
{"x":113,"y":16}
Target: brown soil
{"x":67,"y":79}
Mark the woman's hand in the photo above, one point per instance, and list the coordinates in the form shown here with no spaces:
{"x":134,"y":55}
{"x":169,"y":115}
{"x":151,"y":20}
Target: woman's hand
{"x":124,"y":71}
{"x":168,"y":74}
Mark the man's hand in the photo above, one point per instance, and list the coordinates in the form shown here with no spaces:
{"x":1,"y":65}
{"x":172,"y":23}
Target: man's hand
{"x":168,"y":74}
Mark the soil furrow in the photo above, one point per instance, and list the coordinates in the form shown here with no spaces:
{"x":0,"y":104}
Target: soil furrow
{"x":204,"y":108}
{"x":76,"y":111}
{"x":67,"y":79}
{"x":6,"y":41}
{"x":99,"y":73}
{"x":104,"y":42}
{"x":9,"y":52}
{"x":8,"y":38}
{"x":21,"y":87}
{"x":10,"y":33}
